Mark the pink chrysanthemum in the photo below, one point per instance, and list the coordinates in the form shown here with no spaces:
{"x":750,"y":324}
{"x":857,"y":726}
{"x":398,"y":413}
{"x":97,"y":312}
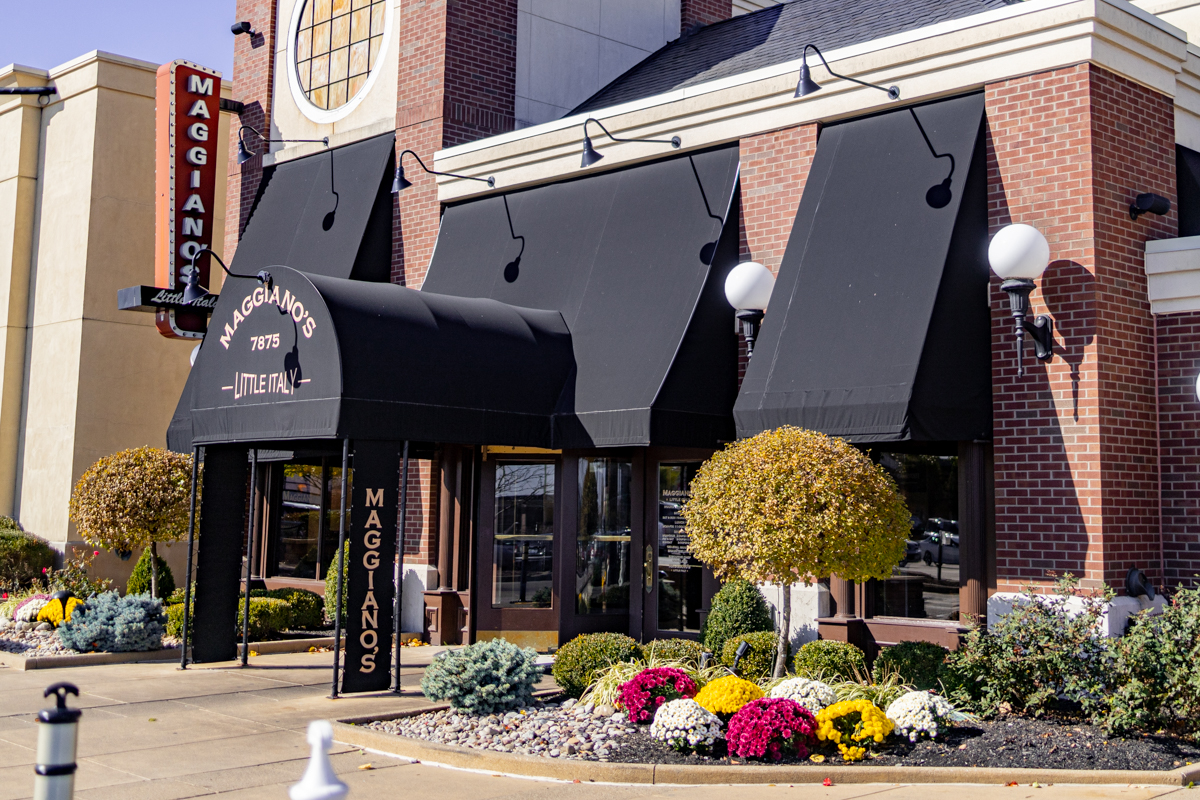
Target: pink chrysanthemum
{"x":771,"y":727}
{"x":650,"y":688}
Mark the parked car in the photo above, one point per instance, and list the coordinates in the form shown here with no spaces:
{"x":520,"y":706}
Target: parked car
{"x":940,"y":544}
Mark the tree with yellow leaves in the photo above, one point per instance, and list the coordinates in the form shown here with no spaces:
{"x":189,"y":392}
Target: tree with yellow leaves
{"x":794,"y":505}
{"x":134,"y":499}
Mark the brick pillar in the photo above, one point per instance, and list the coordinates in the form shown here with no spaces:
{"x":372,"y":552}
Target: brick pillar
{"x":1075,"y":446}
{"x":1178,"y":366}
{"x":253,"y":79}
{"x":696,"y":13}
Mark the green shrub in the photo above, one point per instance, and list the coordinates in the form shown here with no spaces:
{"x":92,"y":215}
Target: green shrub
{"x":331,"y":587}
{"x":176,"y":596}
{"x":308,"y":608}
{"x":109,"y":623}
{"x":1037,"y":655}
{"x":9,"y":524}
{"x":759,"y":663}
{"x":24,"y":558}
{"x":737,"y":608}
{"x":139,"y":580}
{"x":685,"y":651}
{"x":918,"y":664}
{"x":830,"y":661}
{"x":1157,"y":671}
{"x":268,"y":616}
{"x":483,"y":678}
{"x":175,"y":620}
{"x":578,"y":662}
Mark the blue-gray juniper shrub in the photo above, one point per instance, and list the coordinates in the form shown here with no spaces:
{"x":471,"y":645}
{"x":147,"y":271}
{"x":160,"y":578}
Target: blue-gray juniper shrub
{"x":483,"y":678}
{"x":109,"y":623}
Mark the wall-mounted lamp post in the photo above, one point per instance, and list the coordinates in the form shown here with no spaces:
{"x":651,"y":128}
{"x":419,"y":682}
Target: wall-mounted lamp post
{"x":193,"y":291}
{"x":590,"y":156}
{"x":245,"y":153}
{"x":1020,"y":254}
{"x":806,"y":85}
{"x":400,"y":183}
{"x":748,"y":289}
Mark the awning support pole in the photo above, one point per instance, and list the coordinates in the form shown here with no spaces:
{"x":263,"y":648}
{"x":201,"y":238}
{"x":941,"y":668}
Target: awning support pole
{"x":187,"y":578}
{"x":341,"y":564}
{"x":399,"y":598}
{"x":252,"y":535}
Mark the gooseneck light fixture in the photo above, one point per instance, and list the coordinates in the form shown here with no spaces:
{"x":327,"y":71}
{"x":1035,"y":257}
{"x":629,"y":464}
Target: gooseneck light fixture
{"x":400,"y":183}
{"x":245,"y":153}
{"x":590,"y":156}
{"x":1019,"y":254}
{"x":807,"y":85}
{"x":193,"y":291}
{"x":748,"y":289}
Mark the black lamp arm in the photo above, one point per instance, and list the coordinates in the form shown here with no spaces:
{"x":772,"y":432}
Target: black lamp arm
{"x":206,"y":249}
{"x":489,"y":180}
{"x":323,"y":140}
{"x":892,"y":91}
{"x":674,"y":141}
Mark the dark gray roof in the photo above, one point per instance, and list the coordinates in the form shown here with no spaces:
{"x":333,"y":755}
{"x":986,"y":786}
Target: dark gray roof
{"x":774,"y":36}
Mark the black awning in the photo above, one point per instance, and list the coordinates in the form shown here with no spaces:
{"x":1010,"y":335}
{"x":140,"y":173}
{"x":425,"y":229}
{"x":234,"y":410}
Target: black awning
{"x":625,"y":257}
{"x":325,"y":214}
{"x":316,"y":357}
{"x":879,"y":325}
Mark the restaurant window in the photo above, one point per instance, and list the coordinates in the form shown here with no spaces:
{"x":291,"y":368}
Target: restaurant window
{"x":523,"y":548}
{"x":337,"y":43}
{"x":680,"y":575}
{"x":925,"y":583}
{"x":602,"y":560}
{"x":309,"y":515}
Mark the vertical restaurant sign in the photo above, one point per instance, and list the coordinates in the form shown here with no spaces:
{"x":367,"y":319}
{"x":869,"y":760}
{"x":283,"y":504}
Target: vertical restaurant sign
{"x":187,"y":115}
{"x":370,"y":569}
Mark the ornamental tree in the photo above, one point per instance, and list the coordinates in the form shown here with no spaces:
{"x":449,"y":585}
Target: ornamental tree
{"x":794,"y":505}
{"x":134,"y":499}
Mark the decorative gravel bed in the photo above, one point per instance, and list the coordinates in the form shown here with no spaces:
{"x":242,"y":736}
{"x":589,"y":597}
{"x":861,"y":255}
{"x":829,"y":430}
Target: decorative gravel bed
{"x":33,"y":643}
{"x":1008,"y":742}
{"x":555,"y":730}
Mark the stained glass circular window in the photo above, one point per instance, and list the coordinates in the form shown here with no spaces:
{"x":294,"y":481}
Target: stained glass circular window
{"x":336,"y":46}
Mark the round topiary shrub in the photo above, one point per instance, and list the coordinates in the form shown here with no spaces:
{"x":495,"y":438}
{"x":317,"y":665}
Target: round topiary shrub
{"x":737,"y":608}
{"x":580,"y":661}
{"x":760,"y":661}
{"x":828,"y":660}
{"x":139,"y":579}
{"x":268,"y":616}
{"x":483,"y":678}
{"x":175,"y":620}
{"x":685,"y":651}
{"x":919,"y":664}
{"x":24,"y":558}
{"x":331,"y":587}
{"x":109,"y":623}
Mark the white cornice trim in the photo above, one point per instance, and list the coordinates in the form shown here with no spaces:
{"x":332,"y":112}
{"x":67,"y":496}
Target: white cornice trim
{"x":935,"y":61}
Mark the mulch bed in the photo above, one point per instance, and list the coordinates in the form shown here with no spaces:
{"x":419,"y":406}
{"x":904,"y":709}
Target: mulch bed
{"x":1006,"y":742}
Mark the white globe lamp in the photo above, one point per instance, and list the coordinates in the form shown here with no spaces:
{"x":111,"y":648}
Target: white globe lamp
{"x":1019,"y":254}
{"x":748,"y":289}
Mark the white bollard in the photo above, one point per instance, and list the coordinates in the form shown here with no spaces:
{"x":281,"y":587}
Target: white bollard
{"x":319,"y":781}
{"x":57,"y":731}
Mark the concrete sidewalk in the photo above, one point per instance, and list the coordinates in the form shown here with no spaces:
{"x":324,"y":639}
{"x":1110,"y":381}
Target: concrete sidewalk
{"x":152,"y":731}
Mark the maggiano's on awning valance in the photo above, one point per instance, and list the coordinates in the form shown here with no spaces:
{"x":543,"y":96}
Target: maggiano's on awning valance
{"x":313,"y":357}
{"x":879,"y":325}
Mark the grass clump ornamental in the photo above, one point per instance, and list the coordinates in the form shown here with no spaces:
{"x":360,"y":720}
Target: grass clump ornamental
{"x":794,"y":505}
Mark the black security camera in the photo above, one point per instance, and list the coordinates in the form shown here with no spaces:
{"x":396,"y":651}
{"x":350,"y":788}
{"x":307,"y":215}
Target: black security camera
{"x":239,"y":28}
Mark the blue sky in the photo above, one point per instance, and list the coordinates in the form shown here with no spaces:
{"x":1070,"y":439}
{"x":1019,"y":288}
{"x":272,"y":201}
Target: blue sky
{"x":51,"y":32}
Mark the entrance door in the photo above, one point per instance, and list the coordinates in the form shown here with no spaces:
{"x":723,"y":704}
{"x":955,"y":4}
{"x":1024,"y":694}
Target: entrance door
{"x":677,"y":587}
{"x":518,"y":559}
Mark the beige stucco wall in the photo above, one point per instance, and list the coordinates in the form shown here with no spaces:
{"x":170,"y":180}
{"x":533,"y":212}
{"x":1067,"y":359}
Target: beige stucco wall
{"x":92,"y":380}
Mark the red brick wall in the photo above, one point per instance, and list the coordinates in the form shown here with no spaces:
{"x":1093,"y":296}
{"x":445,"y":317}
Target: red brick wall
{"x":1076,"y":475}
{"x":703,"y":12}
{"x":252,"y":79}
{"x":1178,"y":365}
{"x":774,"y":167}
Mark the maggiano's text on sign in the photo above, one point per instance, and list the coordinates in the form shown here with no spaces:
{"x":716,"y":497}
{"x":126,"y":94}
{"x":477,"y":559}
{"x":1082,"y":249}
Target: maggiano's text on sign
{"x":368,"y":638}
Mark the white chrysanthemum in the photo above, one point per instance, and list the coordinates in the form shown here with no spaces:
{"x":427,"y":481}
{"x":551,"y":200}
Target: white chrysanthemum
{"x":685,"y":723}
{"x":920,"y":713}
{"x":29,"y":612}
{"x":813,"y":695}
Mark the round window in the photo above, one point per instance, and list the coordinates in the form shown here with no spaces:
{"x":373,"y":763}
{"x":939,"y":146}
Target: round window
{"x":335,"y":48}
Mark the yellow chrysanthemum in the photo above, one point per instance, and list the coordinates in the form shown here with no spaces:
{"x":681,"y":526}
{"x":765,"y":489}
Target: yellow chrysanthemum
{"x":55,"y":613}
{"x":852,"y":725}
{"x":725,"y":696}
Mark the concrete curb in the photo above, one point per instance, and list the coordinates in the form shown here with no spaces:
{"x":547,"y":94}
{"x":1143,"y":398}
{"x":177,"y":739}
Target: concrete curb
{"x":26,"y":663}
{"x":288,"y":645}
{"x":690,"y":775}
